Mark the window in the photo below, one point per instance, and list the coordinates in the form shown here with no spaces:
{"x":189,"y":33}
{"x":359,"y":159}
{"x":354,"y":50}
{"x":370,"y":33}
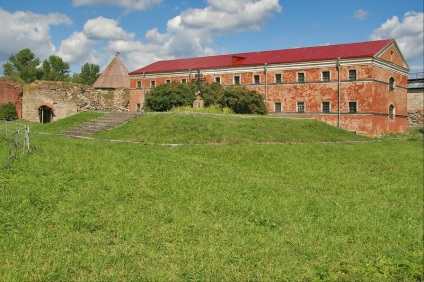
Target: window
{"x":352,"y":107}
{"x":301,"y":77}
{"x":325,"y":107}
{"x":237,"y":79}
{"x":152,"y":84}
{"x":218,"y":80}
{"x":256,"y":79}
{"x":325,"y":76}
{"x":391,"y":111}
{"x":277,"y":107}
{"x":352,"y":74}
{"x":391,"y":84}
{"x":138,"y":107}
{"x":278,"y":78}
{"x":183,"y":80}
{"x":138,"y":84}
{"x":301,"y":107}
{"x":168,"y":81}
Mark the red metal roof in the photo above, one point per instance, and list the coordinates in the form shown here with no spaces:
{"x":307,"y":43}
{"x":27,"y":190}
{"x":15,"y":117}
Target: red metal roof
{"x":306,"y":54}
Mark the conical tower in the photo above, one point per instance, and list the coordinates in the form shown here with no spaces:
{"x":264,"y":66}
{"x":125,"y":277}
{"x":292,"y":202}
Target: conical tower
{"x":114,"y":76}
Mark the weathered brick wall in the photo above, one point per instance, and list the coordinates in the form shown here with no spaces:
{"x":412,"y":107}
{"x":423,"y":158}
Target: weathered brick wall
{"x":66,"y":99}
{"x":11,"y":91}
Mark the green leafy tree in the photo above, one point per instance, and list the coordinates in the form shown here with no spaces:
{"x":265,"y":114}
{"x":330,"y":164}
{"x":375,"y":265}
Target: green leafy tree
{"x":211,"y":93}
{"x":243,"y":101}
{"x":8,"y":111}
{"x":89,"y":74}
{"x":23,"y":65}
{"x":169,"y":95}
{"x":55,"y":69}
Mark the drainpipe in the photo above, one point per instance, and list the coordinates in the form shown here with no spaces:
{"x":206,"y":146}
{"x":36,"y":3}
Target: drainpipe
{"x":338,"y":92}
{"x":143,"y":87}
{"x":266,"y":87}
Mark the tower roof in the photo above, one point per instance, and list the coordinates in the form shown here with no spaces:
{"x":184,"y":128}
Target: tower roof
{"x":114,"y":76}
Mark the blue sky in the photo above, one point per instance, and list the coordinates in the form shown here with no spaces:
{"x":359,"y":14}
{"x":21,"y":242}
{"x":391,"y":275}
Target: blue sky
{"x":144,"y":31}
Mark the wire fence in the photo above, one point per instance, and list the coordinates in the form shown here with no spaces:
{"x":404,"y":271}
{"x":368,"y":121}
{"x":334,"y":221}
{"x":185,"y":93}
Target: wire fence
{"x":17,"y":137}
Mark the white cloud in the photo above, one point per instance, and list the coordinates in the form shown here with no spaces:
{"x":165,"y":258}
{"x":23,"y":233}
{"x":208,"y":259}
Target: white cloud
{"x":127,"y":4}
{"x":361,"y":14}
{"x":27,"y":30}
{"x":105,"y":29}
{"x":409,"y":35}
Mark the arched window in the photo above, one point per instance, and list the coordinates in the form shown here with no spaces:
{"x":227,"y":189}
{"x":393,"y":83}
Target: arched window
{"x":391,"y":84}
{"x":391,"y":111}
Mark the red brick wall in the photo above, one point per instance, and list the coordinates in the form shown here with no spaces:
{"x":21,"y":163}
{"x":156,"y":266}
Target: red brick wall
{"x":11,"y":91}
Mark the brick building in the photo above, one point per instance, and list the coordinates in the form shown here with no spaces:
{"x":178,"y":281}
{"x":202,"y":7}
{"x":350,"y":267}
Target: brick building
{"x":368,"y":78}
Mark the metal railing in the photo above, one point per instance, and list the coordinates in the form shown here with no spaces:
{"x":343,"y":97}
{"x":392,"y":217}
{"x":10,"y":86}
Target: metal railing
{"x":18,"y":137}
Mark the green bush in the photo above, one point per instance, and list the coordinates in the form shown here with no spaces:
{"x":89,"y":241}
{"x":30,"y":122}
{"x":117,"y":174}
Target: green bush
{"x":243,"y":101}
{"x":8,"y":111}
{"x":169,"y":95}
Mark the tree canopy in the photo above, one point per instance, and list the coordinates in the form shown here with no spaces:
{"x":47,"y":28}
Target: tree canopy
{"x":23,"y":65}
{"x":55,"y":69}
{"x":89,"y":74}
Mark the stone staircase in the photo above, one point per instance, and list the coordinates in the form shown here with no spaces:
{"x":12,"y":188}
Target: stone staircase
{"x":109,"y":120}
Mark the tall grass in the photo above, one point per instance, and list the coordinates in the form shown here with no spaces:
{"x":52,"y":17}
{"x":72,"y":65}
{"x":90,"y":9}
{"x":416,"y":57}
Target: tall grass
{"x":80,"y":210}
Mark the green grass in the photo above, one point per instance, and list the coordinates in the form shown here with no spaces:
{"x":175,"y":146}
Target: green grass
{"x":81,"y":210}
{"x":195,"y":128}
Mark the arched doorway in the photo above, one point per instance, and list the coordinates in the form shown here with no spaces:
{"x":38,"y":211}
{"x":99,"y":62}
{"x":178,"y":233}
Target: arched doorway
{"x":45,"y":114}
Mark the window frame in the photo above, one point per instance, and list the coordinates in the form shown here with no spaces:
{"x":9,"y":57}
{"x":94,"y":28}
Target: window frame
{"x":167,"y":81}
{"x":217,"y":79}
{"x":184,"y":80}
{"x":324,"y":78}
{"x":138,"y":84}
{"x":350,"y":108}
{"x":152,"y":83}
{"x":392,"y":111}
{"x":324,"y":108}
{"x":301,"y":77}
{"x":256,"y":79}
{"x":391,"y":84}
{"x":351,"y":77}
{"x":278,"y":80}
{"x":236,"y":80}
{"x":280,"y":107}
{"x":300,"y":106}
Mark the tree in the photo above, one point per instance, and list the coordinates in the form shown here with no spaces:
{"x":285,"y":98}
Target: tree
{"x":89,"y":74}
{"x":243,"y":101}
{"x":23,"y":65}
{"x":55,"y":69}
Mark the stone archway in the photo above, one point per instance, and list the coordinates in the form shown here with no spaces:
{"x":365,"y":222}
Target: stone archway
{"x":45,"y":112}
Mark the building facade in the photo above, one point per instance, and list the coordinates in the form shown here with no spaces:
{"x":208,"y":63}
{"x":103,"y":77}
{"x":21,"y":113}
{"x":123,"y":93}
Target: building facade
{"x":360,"y":87}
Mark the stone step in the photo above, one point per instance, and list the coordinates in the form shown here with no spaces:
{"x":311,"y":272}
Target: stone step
{"x":108,"y":121}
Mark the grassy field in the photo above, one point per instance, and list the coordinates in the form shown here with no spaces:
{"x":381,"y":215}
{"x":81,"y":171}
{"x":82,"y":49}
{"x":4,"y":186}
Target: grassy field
{"x":86,"y":210}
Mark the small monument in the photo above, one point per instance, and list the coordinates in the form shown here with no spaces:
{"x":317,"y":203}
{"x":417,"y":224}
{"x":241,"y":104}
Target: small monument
{"x":198,"y":103}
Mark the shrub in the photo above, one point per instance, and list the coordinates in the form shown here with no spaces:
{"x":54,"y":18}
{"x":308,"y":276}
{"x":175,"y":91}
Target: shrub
{"x":8,"y":111}
{"x":169,"y":95}
{"x":243,"y":101}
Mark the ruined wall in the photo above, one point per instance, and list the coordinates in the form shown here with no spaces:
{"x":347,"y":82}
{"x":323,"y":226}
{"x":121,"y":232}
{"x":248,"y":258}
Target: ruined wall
{"x":11,"y":91}
{"x":66,"y":99}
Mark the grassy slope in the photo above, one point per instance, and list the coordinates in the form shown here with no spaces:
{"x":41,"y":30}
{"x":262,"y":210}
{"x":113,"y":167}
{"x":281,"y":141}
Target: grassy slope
{"x":94,"y":211}
{"x":200,"y":128}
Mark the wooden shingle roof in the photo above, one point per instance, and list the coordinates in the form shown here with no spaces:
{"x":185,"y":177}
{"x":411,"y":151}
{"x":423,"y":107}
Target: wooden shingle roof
{"x":306,"y":54}
{"x":114,"y":76}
